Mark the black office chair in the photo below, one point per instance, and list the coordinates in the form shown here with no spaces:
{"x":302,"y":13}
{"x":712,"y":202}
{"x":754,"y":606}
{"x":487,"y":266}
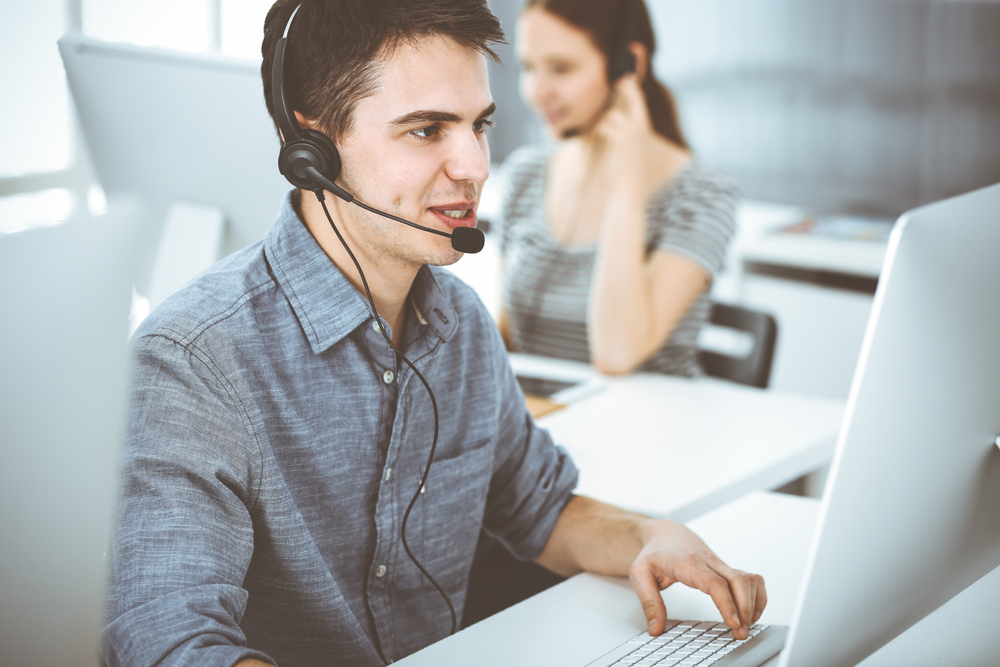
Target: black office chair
{"x":754,"y":369}
{"x":498,"y":580}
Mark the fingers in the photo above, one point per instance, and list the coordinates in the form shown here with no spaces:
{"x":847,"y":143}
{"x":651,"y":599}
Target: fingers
{"x":760,"y":601}
{"x":718,"y":589}
{"x":628,"y":104}
{"x":743,"y":587}
{"x":648,"y":589}
{"x":629,"y":92}
{"x":739,"y":596}
{"x":749,"y":595}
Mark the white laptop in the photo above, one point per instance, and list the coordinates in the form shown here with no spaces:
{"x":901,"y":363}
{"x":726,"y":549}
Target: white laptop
{"x":910,"y":514}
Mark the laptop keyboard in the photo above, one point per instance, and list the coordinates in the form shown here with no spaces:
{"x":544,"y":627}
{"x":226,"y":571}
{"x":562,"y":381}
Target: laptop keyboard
{"x":688,"y":643}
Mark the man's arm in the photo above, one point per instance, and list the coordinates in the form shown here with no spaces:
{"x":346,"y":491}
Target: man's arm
{"x":600,"y":538}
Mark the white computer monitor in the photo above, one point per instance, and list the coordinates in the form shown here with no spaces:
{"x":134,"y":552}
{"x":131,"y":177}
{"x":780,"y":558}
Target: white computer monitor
{"x":64,"y":306}
{"x":910,"y":513}
{"x":179,"y":127}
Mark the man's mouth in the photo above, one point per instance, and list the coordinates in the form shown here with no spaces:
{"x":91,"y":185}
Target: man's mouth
{"x":456,"y":217}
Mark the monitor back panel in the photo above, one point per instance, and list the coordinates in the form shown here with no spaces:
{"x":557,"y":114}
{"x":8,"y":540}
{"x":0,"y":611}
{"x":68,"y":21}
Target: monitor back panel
{"x":176,"y":126}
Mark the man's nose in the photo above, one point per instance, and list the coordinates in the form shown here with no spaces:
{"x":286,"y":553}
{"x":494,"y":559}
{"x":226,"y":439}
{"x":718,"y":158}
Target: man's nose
{"x":470,"y":158}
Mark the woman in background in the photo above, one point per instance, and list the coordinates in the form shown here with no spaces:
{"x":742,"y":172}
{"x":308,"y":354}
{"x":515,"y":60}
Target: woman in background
{"x":612,"y":233}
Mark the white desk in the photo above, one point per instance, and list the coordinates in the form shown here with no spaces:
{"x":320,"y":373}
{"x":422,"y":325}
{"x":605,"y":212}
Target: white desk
{"x":677,"y":448}
{"x":767,"y":533}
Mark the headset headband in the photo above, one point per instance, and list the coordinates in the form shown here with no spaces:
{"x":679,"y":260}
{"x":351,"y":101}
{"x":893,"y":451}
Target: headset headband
{"x":289,"y":126}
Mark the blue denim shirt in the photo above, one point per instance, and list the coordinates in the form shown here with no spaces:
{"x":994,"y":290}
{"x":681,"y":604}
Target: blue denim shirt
{"x":274,"y":443}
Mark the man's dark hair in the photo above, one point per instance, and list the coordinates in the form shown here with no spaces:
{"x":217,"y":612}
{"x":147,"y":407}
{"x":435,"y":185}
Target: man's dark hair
{"x":337,"y":47}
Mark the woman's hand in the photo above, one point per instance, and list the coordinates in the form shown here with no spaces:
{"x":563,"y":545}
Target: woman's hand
{"x":627,"y":132}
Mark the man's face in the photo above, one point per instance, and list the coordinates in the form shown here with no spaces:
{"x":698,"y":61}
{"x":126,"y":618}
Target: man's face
{"x":418,"y":150}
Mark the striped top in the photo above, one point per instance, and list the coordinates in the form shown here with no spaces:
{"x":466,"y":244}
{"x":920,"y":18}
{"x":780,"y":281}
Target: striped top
{"x":546,"y":284}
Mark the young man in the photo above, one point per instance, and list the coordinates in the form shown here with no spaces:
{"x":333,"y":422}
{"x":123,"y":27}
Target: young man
{"x":276,"y":440}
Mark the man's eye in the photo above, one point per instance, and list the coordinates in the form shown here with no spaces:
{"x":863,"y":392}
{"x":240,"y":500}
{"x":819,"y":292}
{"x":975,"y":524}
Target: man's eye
{"x":481,"y":125}
{"x":426,"y":132}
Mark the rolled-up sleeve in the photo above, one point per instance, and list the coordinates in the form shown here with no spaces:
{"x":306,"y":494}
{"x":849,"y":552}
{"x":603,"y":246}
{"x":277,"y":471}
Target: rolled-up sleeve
{"x":183,"y":534}
{"x":533,"y":478}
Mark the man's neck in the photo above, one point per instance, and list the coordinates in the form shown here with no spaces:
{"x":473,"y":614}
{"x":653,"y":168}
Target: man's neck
{"x":388,"y":282}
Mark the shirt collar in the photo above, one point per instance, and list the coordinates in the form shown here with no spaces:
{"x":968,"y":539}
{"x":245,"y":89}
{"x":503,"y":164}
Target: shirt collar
{"x":324,"y":301}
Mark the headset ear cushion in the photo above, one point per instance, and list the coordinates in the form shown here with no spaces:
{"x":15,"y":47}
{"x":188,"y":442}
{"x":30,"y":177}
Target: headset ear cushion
{"x":312,"y":149}
{"x":331,"y":155}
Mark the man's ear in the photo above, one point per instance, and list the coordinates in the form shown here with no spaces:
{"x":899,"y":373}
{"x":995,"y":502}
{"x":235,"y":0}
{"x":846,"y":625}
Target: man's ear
{"x":304,"y":122}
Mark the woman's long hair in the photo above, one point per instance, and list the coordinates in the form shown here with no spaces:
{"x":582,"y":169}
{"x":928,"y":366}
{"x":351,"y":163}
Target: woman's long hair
{"x":604,"y":21}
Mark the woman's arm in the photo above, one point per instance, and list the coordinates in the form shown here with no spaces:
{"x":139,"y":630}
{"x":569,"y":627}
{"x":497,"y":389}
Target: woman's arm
{"x":635,"y":301}
{"x":635,"y":304}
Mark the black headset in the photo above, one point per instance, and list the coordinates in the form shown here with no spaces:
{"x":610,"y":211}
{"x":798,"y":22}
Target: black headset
{"x":303,"y":151}
{"x":309,"y":160}
{"x":622,"y":61}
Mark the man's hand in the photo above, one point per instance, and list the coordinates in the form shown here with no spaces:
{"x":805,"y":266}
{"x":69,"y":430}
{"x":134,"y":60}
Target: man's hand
{"x":600,"y":538}
{"x":673,"y":553}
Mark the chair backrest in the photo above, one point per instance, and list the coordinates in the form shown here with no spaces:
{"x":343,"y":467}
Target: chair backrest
{"x":754,"y":368}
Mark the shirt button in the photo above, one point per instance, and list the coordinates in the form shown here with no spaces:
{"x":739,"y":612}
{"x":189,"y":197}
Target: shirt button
{"x":380,"y":571}
{"x":388,"y":474}
{"x":388,"y":377}
{"x":375,"y":326}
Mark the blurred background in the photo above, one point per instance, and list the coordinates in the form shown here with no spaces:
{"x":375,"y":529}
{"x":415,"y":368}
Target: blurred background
{"x":833,"y":117}
{"x":870,"y":106}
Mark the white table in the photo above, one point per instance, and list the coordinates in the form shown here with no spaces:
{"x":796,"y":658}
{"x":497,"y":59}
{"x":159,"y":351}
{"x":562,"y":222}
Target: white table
{"x":677,"y":448}
{"x":578,"y":620}
{"x":768,"y":533}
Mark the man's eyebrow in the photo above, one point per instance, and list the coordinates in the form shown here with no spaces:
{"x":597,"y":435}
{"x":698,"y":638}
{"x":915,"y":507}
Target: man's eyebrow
{"x":431,"y":116}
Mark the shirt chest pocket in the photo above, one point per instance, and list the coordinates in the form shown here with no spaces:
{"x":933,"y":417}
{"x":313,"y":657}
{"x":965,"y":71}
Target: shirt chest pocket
{"x":444,"y":524}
